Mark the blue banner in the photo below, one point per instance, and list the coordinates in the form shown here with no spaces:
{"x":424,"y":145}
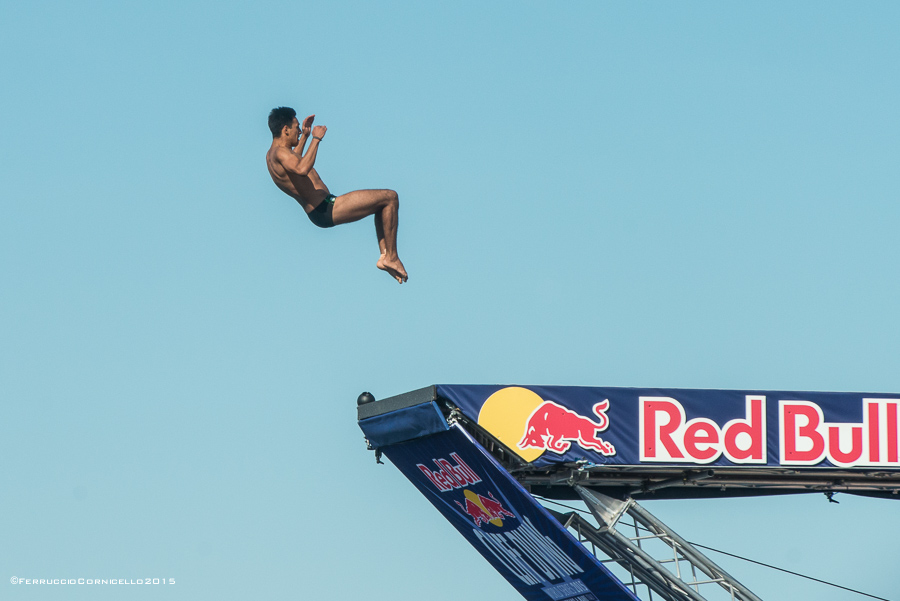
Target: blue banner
{"x":680,"y":427}
{"x":502,"y":521}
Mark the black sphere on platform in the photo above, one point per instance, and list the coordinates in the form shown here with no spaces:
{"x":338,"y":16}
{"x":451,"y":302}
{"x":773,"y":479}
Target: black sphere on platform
{"x":364,"y":398}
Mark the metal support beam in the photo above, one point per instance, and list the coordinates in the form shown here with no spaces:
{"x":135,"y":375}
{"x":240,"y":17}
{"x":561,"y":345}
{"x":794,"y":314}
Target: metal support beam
{"x":654,"y":555}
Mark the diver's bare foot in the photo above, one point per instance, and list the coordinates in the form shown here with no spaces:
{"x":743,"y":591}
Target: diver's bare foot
{"x":393,"y":267}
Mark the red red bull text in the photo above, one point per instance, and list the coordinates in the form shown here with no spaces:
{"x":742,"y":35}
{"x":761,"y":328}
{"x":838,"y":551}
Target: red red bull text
{"x":666,"y":436}
{"x":807,"y":439}
{"x":804,"y":437}
{"x":551,"y":427}
{"x":449,"y":476}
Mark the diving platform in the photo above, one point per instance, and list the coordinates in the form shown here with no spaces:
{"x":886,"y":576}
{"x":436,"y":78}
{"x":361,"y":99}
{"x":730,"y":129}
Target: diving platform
{"x":484,"y":455}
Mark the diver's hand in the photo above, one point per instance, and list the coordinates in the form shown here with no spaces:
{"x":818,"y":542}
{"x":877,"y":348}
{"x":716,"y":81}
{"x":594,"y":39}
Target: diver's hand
{"x":307,"y":123}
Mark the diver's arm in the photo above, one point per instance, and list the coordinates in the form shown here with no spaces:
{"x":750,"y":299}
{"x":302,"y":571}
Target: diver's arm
{"x":304,"y":135}
{"x":302,"y":165}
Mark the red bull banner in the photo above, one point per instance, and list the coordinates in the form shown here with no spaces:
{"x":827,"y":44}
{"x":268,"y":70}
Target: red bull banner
{"x":502,"y":521}
{"x":544,"y":425}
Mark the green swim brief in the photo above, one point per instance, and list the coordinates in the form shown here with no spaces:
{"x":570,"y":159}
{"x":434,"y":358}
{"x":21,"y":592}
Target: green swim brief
{"x":321,"y":215}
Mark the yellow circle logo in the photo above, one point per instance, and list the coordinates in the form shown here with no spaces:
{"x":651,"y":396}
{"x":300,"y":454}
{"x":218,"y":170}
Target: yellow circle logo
{"x":505,"y":415}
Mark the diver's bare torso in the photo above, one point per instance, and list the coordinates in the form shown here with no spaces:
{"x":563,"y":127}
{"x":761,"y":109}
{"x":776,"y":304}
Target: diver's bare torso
{"x":308,"y":190}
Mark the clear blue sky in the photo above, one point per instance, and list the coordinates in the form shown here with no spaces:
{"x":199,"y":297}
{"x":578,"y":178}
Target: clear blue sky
{"x":670,"y":195}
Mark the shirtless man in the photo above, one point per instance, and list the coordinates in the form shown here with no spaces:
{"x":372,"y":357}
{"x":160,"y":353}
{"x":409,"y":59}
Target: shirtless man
{"x":294,"y":173}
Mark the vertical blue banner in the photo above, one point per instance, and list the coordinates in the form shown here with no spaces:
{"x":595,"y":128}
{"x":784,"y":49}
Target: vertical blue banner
{"x":502,"y":521}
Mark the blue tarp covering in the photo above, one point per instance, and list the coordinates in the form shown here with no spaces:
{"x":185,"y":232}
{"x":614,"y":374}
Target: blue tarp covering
{"x":403,"y":424}
{"x":682,"y":427}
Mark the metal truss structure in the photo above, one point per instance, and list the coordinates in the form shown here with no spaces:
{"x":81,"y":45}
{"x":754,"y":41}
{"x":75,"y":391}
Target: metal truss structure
{"x":654,"y":561}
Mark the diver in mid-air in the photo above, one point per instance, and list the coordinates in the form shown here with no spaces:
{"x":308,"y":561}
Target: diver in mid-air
{"x":294,"y":173}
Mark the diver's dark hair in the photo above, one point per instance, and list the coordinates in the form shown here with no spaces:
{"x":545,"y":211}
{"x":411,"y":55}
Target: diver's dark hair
{"x":281,"y":117}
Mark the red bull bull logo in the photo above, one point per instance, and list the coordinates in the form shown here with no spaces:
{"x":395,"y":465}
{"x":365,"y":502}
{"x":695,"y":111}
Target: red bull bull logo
{"x":531,"y":426}
{"x":554,"y":428}
{"x":484,"y":510}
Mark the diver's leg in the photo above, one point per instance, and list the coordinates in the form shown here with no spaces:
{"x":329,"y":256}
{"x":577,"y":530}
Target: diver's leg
{"x":384,"y":204}
{"x":379,"y":233}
